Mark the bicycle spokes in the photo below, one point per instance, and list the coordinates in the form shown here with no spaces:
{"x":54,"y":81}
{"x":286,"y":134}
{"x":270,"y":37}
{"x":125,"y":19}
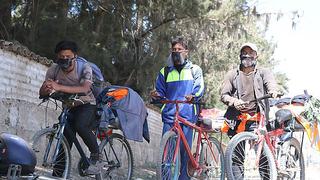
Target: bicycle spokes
{"x":244,"y":161}
{"x":51,"y":162}
{"x":291,"y":165}
{"x":211,"y":160}
{"x":170,"y":160}
{"x":117,"y":156}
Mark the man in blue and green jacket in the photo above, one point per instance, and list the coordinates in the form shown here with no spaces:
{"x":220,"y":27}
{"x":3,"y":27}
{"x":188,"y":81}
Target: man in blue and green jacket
{"x":180,"y":80}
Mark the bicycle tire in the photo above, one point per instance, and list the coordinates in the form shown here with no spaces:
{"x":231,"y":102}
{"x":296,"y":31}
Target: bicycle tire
{"x":213,"y":170}
{"x":112,"y":148}
{"x":167,"y":148}
{"x":292,"y":153}
{"x":241,"y":165}
{"x":45,"y":140}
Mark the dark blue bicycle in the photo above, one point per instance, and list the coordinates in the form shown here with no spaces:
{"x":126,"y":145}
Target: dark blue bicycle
{"x":53,"y":151}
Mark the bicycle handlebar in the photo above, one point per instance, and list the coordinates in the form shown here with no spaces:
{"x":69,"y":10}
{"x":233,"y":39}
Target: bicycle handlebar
{"x":61,"y":96}
{"x":261,"y":98}
{"x":308,"y":96}
{"x":267,"y":96}
{"x":166,"y":101}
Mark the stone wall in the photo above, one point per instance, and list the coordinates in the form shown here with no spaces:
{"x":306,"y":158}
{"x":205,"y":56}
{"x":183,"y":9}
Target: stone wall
{"x":20,"y":79}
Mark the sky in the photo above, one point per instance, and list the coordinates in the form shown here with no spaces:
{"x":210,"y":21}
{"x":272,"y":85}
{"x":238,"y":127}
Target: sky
{"x":298,"y":49}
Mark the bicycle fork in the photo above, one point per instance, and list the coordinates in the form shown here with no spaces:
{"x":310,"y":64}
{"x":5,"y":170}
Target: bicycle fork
{"x":57,"y":136}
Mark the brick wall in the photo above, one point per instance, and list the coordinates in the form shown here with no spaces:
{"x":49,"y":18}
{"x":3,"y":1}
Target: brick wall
{"x":20,"y":78}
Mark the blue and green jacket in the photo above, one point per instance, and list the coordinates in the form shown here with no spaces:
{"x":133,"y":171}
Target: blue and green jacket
{"x":176,"y":86}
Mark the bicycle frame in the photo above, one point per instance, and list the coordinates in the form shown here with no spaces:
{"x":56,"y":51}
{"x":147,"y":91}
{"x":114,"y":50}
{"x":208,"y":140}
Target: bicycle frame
{"x":269,"y":148}
{"x":56,"y":151}
{"x":61,"y":127}
{"x":269,"y":137}
{"x":181,"y":137}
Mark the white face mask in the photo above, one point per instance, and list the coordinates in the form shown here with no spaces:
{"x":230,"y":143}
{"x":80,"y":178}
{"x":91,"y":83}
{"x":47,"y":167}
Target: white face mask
{"x":247,"y":61}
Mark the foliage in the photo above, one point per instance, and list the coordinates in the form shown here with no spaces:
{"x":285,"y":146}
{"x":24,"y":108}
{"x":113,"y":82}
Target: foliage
{"x":312,"y":111}
{"x":130,"y":39}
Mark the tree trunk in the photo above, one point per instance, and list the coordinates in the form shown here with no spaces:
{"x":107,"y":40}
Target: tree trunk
{"x":5,"y":20}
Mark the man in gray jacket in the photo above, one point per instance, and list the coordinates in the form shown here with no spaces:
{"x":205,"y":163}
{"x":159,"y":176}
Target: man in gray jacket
{"x":239,"y":88}
{"x":246,"y":83}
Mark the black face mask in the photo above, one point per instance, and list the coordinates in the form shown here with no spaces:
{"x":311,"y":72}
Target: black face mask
{"x":64,"y":63}
{"x":177,"y":58}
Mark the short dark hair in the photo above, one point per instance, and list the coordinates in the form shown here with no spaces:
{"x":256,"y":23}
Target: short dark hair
{"x":179,"y":40}
{"x":66,"y":45}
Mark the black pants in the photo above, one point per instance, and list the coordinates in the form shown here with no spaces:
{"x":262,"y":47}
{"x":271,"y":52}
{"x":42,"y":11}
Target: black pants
{"x":82,"y":121}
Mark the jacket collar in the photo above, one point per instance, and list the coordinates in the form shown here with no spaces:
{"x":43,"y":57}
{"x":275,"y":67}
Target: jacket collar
{"x":254,"y":71}
{"x":188,"y":64}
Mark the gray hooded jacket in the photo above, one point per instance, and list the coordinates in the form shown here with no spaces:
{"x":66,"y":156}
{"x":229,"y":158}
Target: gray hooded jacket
{"x":264,"y":82}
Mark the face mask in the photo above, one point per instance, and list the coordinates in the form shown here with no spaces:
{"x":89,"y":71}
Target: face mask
{"x":247,"y":60}
{"x":64,"y":63}
{"x":177,"y":58}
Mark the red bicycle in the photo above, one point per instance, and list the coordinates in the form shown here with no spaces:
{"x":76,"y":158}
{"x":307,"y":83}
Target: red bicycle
{"x":270,"y":151}
{"x":205,"y":163}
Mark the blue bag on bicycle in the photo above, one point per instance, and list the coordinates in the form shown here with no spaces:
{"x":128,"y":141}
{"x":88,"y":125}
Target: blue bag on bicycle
{"x":129,"y":108}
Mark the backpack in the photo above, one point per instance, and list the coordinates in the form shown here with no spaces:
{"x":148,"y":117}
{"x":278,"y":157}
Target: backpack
{"x":166,"y":72}
{"x":97,"y":77}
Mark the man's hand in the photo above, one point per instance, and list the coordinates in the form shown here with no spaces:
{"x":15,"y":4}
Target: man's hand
{"x":189,"y":97}
{"x":239,"y":104}
{"x":154,"y":94}
{"x":275,"y":94}
{"x":46,"y":88}
{"x":53,"y":85}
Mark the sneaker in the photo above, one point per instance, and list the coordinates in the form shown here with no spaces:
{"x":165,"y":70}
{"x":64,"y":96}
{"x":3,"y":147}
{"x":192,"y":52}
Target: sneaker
{"x":94,"y":157}
{"x":94,"y":168}
{"x":95,"y":164}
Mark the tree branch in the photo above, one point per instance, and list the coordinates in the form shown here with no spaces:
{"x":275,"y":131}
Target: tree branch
{"x":129,"y":78}
{"x":5,"y":30}
{"x":165,"y":21}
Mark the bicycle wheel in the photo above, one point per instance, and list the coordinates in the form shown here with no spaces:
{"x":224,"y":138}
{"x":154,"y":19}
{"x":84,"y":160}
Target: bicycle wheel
{"x":167,"y":168}
{"x":117,"y":155}
{"x":291,"y":162}
{"x":44,"y":145}
{"x":214,"y":163}
{"x":241,"y":159}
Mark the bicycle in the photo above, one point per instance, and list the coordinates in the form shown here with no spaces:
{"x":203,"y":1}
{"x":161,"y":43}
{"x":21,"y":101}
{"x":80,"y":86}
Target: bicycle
{"x":52,"y":149}
{"x":206,"y":163}
{"x":268,"y":152}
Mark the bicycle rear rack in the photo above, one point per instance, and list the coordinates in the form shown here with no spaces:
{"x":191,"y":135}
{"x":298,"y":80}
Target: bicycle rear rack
{"x":14,"y":172}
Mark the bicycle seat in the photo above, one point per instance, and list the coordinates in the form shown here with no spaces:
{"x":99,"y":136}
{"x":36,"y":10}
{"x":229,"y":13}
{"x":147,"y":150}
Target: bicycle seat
{"x":212,"y":125}
{"x":300,"y":99}
{"x":282,"y":102}
{"x":283,"y":115}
